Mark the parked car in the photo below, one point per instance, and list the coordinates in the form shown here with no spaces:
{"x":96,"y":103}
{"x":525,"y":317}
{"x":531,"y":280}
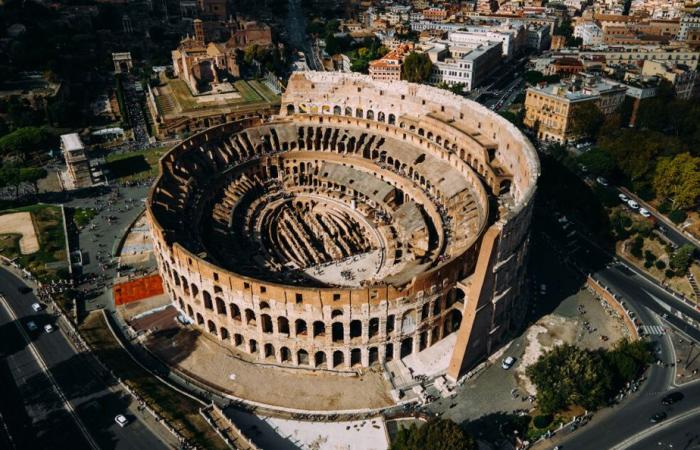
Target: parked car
{"x":602,"y":181}
{"x":508,"y":362}
{"x":31,"y":326}
{"x":658,"y":417}
{"x":36,"y":307}
{"x":673,"y":397}
{"x":623,"y":197}
{"x":121,"y":420}
{"x":48,"y":328}
{"x":644,"y":212}
{"x":632,"y":204}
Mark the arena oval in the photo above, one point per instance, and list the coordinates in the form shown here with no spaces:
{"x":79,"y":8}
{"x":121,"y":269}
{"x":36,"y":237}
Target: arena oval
{"x":426,"y":197}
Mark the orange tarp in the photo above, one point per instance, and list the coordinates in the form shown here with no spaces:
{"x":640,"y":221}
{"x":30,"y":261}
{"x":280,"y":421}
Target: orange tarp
{"x":136,"y":290}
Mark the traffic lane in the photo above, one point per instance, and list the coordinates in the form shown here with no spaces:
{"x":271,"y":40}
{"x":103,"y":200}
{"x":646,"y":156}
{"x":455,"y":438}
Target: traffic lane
{"x":637,"y":289}
{"x":38,"y":417}
{"x":95,"y":404}
{"x":629,"y":419}
{"x":684,"y":434}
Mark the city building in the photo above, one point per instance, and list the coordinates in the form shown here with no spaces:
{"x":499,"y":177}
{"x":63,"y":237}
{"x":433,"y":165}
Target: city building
{"x":468,"y":65}
{"x":426,"y":198}
{"x":388,"y":67}
{"x":680,"y":76}
{"x":550,"y":108}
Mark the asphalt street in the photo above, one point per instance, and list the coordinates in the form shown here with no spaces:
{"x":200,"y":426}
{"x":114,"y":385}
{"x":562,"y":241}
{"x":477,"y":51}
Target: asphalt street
{"x":95,"y":400}
{"x":682,"y":434}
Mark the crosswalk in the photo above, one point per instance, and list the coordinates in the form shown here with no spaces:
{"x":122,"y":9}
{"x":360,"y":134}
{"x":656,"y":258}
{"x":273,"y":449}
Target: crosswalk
{"x":653,"y":330}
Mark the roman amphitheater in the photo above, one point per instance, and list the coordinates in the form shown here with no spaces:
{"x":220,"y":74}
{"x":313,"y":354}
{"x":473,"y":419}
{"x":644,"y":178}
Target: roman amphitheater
{"x":365,"y":222}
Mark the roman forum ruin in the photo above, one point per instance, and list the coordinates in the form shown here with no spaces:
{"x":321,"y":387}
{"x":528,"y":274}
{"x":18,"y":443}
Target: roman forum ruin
{"x":365,"y":222}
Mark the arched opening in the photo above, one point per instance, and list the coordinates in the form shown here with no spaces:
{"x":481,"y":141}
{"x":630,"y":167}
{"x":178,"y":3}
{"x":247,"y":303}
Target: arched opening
{"x":207,"y":299}
{"x":319,"y":328}
{"x":269,"y":351}
{"x":237,"y":340}
{"x":389,"y":352}
{"x":381,"y":116}
{"x":390,"y":324}
{"x":338,"y":358}
{"x":211,"y":326}
{"x":190,"y":313}
{"x":336,"y":313}
{"x":422,"y":340}
{"x":370,"y":114}
{"x":224,"y":334}
{"x":373,"y":327}
{"x":348,"y":111}
{"x":337,"y":332}
{"x":235,"y":311}
{"x":264,"y":305}
{"x":435,"y":335}
{"x":220,"y":306}
{"x":253,"y":346}
{"x":319,"y":359}
{"x":337,"y":110}
{"x":249,"y":317}
{"x":300,"y":327}
{"x":195,"y":291}
{"x":290,"y":109}
{"x":266,"y":322}
{"x":359,"y":113}
{"x":408,"y":322}
{"x":303,"y":358}
{"x":452,"y":321}
{"x":355,"y":329}
{"x":200,"y":319}
{"x":285,"y":355}
{"x":406,"y":347}
{"x":283,"y":325}
{"x":373,"y":356}
{"x":355,"y":357}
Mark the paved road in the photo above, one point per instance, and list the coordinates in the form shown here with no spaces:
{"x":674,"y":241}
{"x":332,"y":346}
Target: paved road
{"x":677,"y":432}
{"x":672,"y":232}
{"x":95,"y":403}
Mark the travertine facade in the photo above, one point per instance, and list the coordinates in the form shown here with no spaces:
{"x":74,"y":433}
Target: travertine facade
{"x":365,"y":222}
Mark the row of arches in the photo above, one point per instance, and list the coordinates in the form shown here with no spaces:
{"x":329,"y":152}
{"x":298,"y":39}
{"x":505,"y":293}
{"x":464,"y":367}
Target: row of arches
{"x":478,"y":163}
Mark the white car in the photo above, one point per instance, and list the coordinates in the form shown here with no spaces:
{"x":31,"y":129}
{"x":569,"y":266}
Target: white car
{"x":508,"y":362}
{"x":602,"y":181}
{"x":121,"y":420}
{"x":48,"y":328}
{"x":632,"y":204}
{"x":31,"y":326}
{"x":36,"y":307}
{"x":644,"y":212}
{"x":623,"y":197}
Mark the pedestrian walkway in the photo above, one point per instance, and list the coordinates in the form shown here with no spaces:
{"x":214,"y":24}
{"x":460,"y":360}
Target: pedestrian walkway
{"x":652,"y":330}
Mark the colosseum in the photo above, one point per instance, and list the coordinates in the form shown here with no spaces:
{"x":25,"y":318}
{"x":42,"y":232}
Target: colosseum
{"x":365,"y":222}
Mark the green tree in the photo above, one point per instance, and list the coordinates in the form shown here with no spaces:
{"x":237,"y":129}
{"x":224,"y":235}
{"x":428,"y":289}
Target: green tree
{"x":416,"y":67}
{"x":586,"y":120}
{"x":598,"y":162}
{"x":678,"y":178}
{"x":533,"y":77}
{"x":25,"y":142}
{"x":436,"y":434}
{"x":681,"y":259}
{"x":32,"y":175}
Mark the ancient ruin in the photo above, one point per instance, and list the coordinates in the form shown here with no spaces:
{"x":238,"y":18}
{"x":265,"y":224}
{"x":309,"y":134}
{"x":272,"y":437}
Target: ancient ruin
{"x":365,"y":222}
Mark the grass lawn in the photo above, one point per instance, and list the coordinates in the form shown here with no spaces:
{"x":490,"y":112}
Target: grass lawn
{"x":247,"y":92}
{"x":52,"y":243}
{"x":180,"y":411}
{"x":134,"y":166}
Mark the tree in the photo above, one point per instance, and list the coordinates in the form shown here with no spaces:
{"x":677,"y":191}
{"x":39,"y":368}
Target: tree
{"x":32,"y":175}
{"x":24,"y":142}
{"x":533,"y":77}
{"x":598,"y":162}
{"x":416,"y":67}
{"x":678,"y":178}
{"x":436,"y":434}
{"x":681,"y":259}
{"x":586,"y":120}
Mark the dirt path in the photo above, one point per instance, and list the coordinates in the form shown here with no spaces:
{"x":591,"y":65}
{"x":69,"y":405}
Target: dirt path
{"x":21,"y":223}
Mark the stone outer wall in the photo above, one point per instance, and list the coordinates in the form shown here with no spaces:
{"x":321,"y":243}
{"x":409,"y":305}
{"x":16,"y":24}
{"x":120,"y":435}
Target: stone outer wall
{"x":481,"y":289}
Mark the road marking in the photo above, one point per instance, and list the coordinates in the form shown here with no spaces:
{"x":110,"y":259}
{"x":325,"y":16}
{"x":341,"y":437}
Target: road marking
{"x":47,"y":372}
{"x":653,"y":330}
{"x":656,"y":428}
